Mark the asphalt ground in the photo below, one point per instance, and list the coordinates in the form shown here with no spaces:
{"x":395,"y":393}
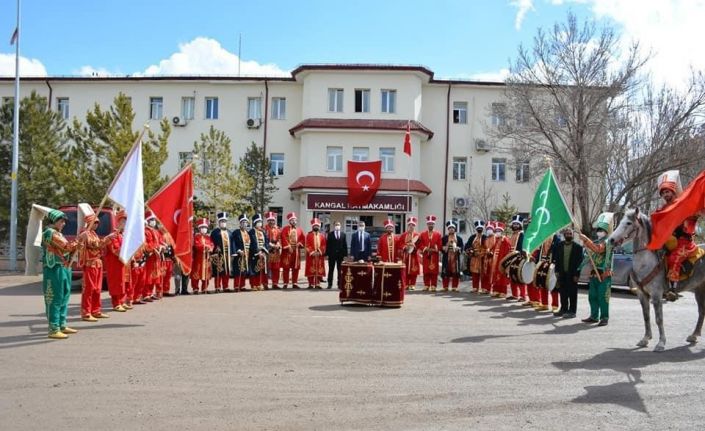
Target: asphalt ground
{"x":298,"y":360}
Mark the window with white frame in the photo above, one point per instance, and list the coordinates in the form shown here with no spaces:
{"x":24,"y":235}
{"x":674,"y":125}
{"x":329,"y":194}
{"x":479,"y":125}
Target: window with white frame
{"x":389,"y":101}
{"x":335,"y":100}
{"x":361,"y":154}
{"x":522,"y":171}
{"x":276,"y":164}
{"x":386,"y":155}
{"x":499,"y":114}
{"x":278,"y":108}
{"x":254,"y":108}
{"x":461,"y":224}
{"x":211,"y":108}
{"x":362,"y":100}
{"x":62,"y":105}
{"x":334,"y":157}
{"x":499,"y":167}
{"x":460,"y":168}
{"x":460,"y":112}
{"x":185,"y":157}
{"x":156,"y":107}
{"x":188,"y":108}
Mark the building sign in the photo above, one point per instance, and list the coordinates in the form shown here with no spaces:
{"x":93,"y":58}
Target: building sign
{"x":380,"y":203}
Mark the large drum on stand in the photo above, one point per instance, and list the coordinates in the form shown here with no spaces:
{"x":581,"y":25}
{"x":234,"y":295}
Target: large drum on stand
{"x":356,"y":283}
{"x":389,"y":284}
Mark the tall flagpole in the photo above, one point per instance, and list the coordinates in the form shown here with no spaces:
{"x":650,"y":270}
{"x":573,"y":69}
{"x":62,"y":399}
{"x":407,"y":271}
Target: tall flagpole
{"x":408,"y":173}
{"x":15,"y":148}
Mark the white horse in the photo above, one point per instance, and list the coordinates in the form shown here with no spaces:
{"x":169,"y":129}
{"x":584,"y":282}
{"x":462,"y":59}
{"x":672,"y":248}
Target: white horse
{"x":648,"y":276}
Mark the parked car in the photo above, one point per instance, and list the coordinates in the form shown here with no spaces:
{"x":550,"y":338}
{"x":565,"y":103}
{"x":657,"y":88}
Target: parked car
{"x":106,"y":224}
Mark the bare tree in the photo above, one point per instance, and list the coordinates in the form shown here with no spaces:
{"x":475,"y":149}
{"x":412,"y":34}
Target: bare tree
{"x":484,"y":200}
{"x":560,"y":97}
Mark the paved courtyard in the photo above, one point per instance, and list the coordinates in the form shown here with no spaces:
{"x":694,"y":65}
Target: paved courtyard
{"x":297,"y":360}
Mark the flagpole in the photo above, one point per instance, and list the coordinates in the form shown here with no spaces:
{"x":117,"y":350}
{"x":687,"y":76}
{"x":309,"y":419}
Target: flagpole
{"x":408,"y":173}
{"x":15,"y":148}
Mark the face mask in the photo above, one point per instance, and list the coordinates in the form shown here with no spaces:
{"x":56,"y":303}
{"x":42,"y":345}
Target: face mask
{"x":601,"y":234}
{"x":337,"y":228}
{"x":258,"y":224}
{"x":498,"y":234}
{"x":204,"y":230}
{"x":490,"y":232}
{"x":292,"y":223}
{"x":152,"y":223}
{"x":223,"y":224}
{"x":243,"y":225}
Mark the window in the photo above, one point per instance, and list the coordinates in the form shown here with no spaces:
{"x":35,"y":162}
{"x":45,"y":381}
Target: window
{"x":361,"y":154}
{"x":386,"y":155}
{"x":185,"y":157}
{"x":498,"y":169}
{"x":499,"y":114}
{"x":521,"y":120}
{"x":335,"y":159}
{"x":389,"y":101}
{"x":460,"y":112}
{"x":462,"y":225}
{"x":156,"y":106}
{"x":254,"y":108}
{"x":522,"y":171}
{"x":211,"y":108}
{"x":8,"y":101}
{"x":362,"y":100}
{"x":188,"y":108}
{"x":62,"y":105}
{"x":276,"y":164}
{"x":335,"y":100}
{"x":278,"y":108}
{"x":459,"y":167}
{"x":561,"y":120}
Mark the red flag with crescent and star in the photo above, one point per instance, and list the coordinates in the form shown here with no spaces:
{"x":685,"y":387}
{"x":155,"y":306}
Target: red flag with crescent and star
{"x":364,"y":179}
{"x":173,"y":207}
{"x":407,"y":139}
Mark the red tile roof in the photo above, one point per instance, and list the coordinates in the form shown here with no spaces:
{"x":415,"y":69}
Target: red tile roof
{"x":355,"y":123}
{"x":388,"y":184}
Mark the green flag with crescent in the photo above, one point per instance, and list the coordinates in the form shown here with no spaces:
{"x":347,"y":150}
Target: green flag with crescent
{"x":549,"y":213}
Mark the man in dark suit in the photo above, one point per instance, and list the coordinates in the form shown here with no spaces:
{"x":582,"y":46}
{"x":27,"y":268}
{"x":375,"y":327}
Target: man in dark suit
{"x":360,"y":244}
{"x":336,"y":250}
{"x":568,"y":259}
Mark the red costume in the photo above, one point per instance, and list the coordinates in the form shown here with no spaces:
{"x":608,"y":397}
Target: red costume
{"x":388,"y":248}
{"x":486,"y":273}
{"x":137,"y":276}
{"x":315,"y":255}
{"x":90,"y":251}
{"x":430,"y":244}
{"x":476,"y":250}
{"x":502,"y":247}
{"x":117,"y":272}
{"x":408,"y":243}
{"x":275,"y":248}
{"x":292,"y":240}
{"x":153,"y":270}
{"x":546,"y":255}
{"x":517,"y":240}
{"x":203,"y":246}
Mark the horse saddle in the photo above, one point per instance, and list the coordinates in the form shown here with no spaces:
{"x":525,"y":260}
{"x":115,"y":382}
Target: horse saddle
{"x":689,"y":264}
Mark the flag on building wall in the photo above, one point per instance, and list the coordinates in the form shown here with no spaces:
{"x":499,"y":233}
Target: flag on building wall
{"x":549,"y":213}
{"x":407,"y":139}
{"x":127,"y":190}
{"x":173,"y":207}
{"x":364,"y":179}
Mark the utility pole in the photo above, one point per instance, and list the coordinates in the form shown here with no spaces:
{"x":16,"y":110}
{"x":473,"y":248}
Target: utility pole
{"x":15,"y":148}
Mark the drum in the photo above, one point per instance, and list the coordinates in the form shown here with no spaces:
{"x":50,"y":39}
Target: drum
{"x":389,"y":284}
{"x":521,"y":270}
{"x":545,"y":275}
{"x":356,"y":283}
{"x":506,"y":262}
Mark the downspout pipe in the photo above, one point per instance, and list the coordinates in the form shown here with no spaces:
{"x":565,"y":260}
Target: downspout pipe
{"x":51,"y":92}
{"x":445,"y":178}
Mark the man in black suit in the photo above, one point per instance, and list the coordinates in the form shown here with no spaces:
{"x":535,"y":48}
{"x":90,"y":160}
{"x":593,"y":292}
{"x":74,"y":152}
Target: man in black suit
{"x":568,"y":258}
{"x":360,"y":244}
{"x":336,"y":250}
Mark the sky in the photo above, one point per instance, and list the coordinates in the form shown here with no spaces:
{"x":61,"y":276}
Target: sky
{"x":470,"y":39}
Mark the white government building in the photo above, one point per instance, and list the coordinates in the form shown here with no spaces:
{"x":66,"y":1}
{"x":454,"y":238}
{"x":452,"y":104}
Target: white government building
{"x":312,"y":122}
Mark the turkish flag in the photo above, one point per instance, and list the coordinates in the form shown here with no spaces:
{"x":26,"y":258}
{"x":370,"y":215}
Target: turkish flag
{"x":407,"y":139}
{"x":364,"y":179}
{"x":173,"y":207}
{"x":667,"y":219}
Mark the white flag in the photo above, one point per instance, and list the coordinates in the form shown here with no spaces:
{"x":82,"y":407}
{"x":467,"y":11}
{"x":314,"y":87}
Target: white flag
{"x":127,"y":191}
{"x":33,"y":240}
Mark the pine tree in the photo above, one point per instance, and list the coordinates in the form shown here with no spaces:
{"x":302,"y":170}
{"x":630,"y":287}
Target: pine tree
{"x":41,"y":156}
{"x":506,"y":210}
{"x":221,"y":185}
{"x":100,"y":146}
{"x":256,"y":163}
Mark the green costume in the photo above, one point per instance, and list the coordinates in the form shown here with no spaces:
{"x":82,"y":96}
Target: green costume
{"x":601,"y":253}
{"x":57,"y":275}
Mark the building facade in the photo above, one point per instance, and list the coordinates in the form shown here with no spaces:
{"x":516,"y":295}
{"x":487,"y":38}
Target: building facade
{"x":312,"y":123}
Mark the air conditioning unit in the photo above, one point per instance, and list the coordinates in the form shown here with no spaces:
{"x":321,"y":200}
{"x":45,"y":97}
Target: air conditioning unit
{"x":461,"y":202}
{"x":482,"y":146}
{"x":254,"y":123}
{"x":178,"y":121}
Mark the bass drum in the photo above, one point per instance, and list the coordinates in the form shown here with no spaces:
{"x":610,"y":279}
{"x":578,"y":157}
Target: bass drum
{"x":545,"y":276}
{"x":521,"y":270}
{"x":506,"y":262}
{"x":528,"y":268}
